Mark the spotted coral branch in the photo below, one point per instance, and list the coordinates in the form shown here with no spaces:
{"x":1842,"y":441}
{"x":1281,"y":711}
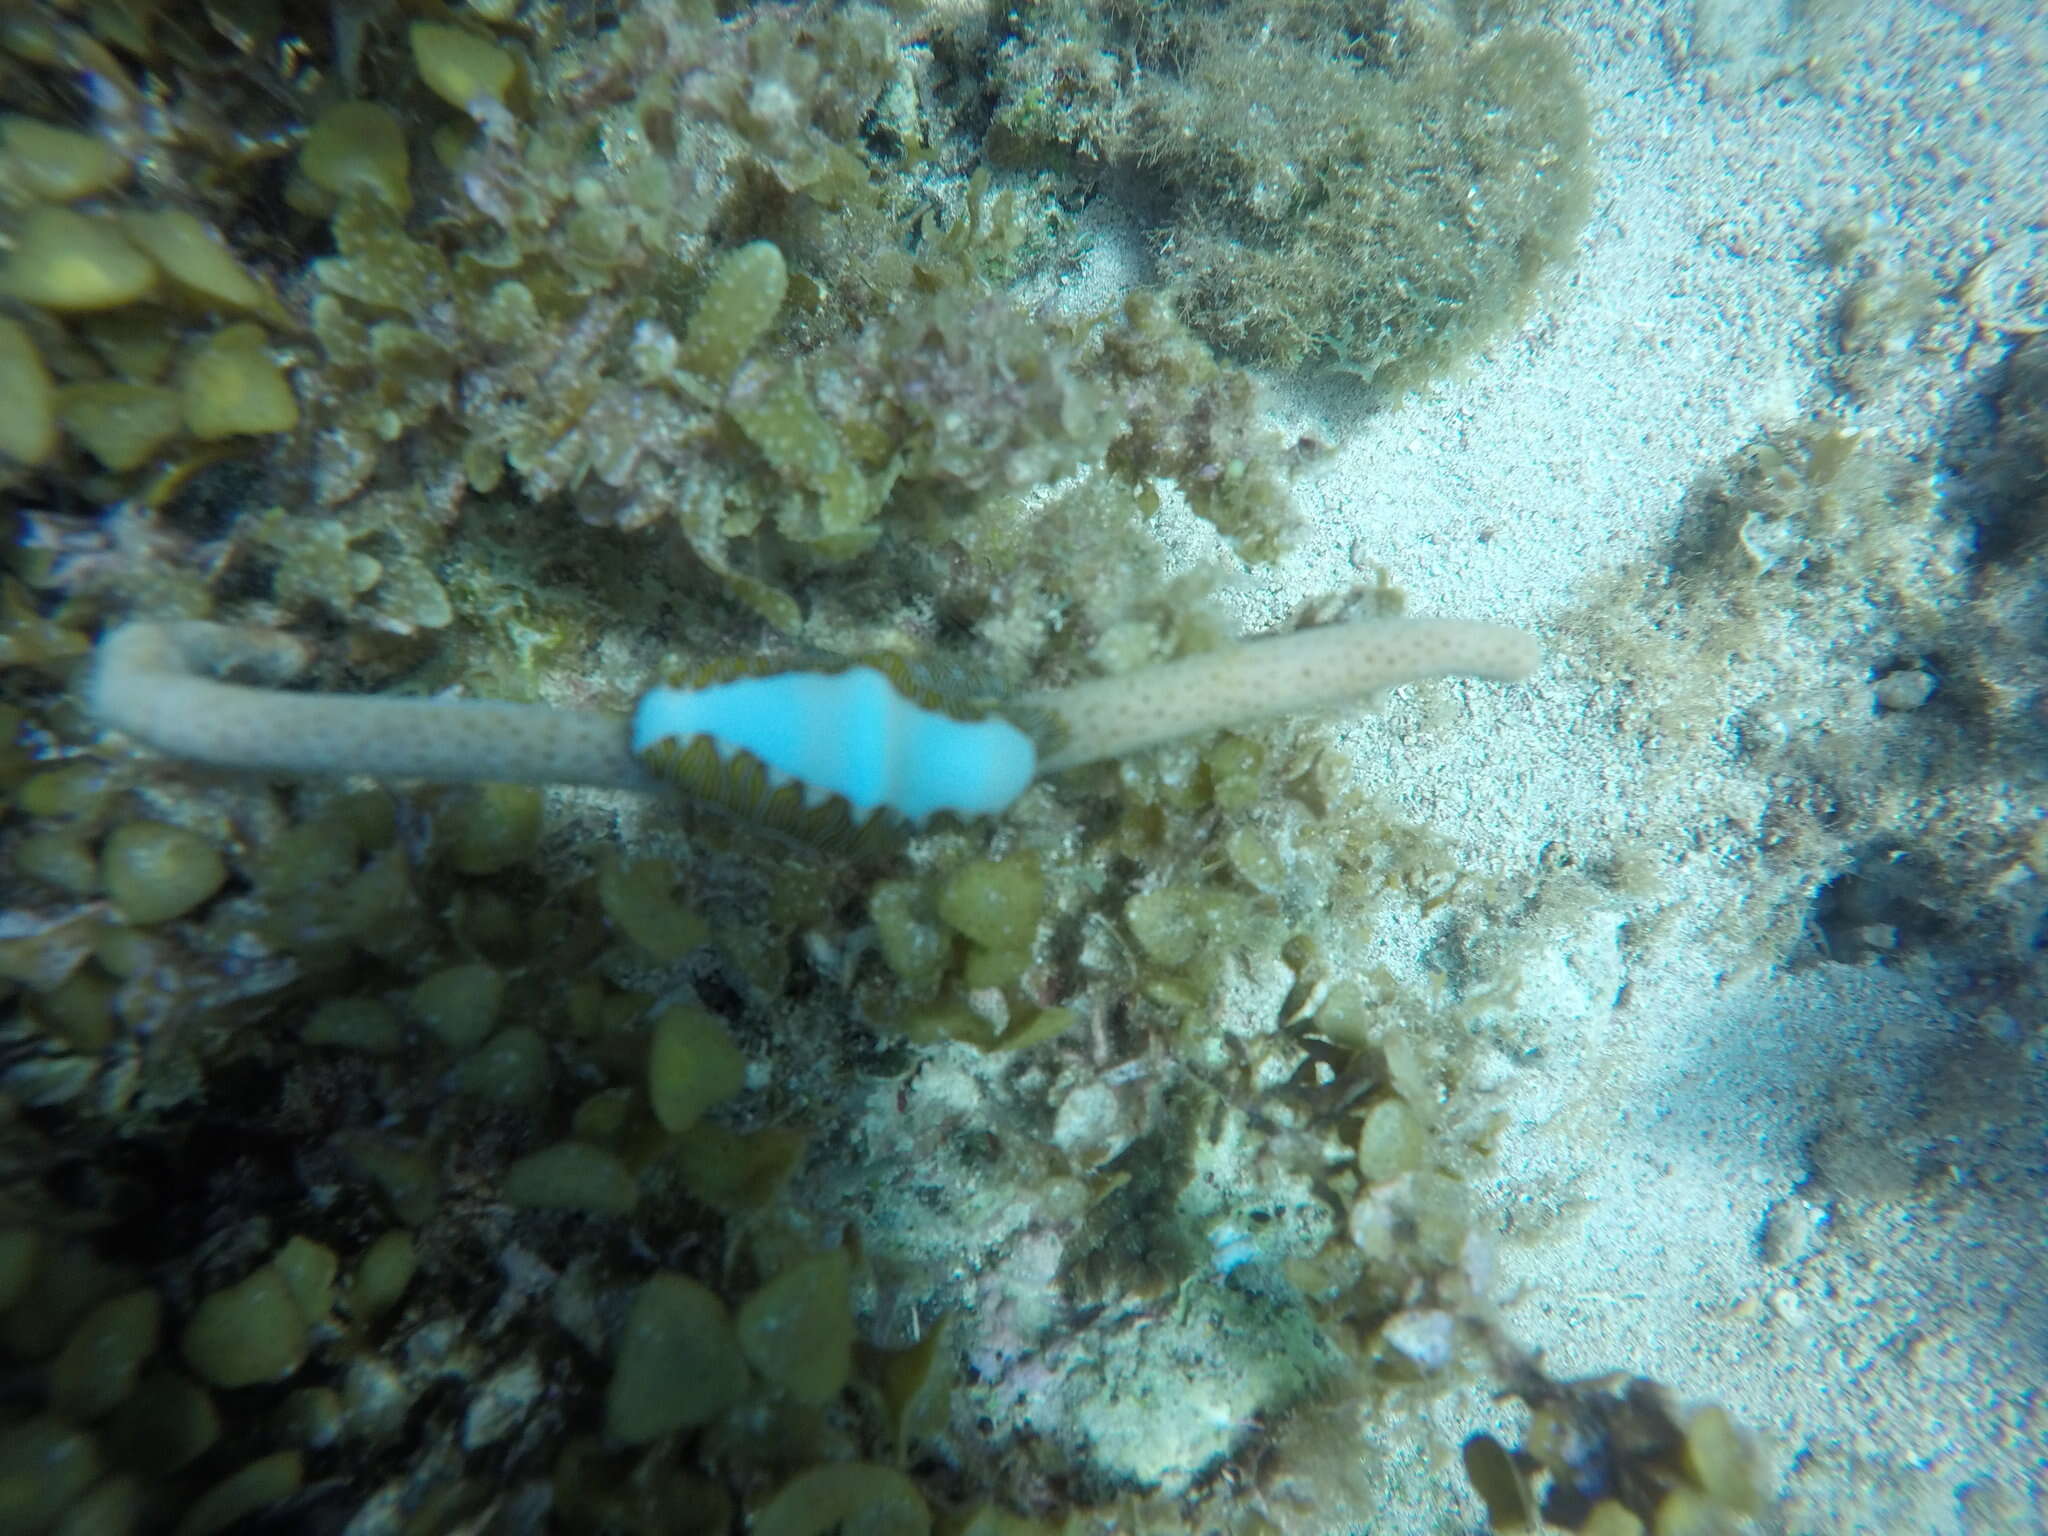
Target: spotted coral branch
{"x":822,"y":752}
{"x":155,"y":682}
{"x":1310,"y":671}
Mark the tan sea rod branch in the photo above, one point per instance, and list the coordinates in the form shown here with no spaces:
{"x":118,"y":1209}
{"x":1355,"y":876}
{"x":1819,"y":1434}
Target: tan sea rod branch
{"x":157,"y":682}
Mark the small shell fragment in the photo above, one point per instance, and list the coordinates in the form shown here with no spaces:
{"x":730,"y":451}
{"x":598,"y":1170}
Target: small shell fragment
{"x":2008,"y":289}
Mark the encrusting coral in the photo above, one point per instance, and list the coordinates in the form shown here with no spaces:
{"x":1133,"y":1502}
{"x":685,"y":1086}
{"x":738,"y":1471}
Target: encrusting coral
{"x":878,"y":751}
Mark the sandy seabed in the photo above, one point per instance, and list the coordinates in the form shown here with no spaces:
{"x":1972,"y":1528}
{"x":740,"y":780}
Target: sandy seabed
{"x":1692,"y":1180}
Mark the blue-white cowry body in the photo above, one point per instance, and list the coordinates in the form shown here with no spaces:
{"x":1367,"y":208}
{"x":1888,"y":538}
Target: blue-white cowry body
{"x":849,"y":733}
